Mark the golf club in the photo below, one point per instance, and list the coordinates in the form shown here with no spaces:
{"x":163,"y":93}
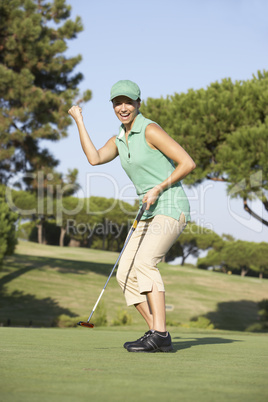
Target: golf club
{"x":133,"y":227}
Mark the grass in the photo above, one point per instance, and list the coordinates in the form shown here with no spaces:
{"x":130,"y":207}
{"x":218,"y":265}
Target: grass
{"x":39,"y":283}
{"x":91,"y":364}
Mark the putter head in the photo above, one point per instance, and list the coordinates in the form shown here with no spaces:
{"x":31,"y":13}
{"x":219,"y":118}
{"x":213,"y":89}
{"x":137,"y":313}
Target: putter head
{"x":86,"y":324}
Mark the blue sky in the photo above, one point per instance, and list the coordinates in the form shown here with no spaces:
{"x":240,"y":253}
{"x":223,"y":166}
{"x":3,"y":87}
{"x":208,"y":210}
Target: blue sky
{"x":166,"y":47}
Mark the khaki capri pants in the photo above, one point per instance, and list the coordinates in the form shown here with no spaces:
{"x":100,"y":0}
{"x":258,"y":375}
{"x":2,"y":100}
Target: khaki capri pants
{"x":137,"y":271}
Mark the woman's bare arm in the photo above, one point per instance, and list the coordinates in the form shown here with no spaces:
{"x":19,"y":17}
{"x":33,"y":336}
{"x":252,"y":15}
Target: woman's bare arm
{"x":95,"y":157}
{"x":157,"y":138}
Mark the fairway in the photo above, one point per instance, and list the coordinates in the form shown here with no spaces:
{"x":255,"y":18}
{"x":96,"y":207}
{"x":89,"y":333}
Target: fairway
{"x":91,"y":365}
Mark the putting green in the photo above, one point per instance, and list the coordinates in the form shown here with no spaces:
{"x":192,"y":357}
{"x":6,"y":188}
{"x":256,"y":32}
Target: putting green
{"x":82,"y":364}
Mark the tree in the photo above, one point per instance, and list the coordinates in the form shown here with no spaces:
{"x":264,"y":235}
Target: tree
{"x":37,"y":83}
{"x":193,"y":239}
{"x":244,"y":157}
{"x":112,"y":222}
{"x":236,"y":255}
{"x":259,"y":257}
{"x":8,"y":239}
{"x":47,"y":202}
{"x":95,"y":222}
{"x":241,"y":256}
{"x":224,"y":129}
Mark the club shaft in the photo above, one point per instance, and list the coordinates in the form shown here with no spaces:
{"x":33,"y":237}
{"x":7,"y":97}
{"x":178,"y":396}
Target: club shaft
{"x":97,"y":302}
{"x":136,"y":221}
{"x":100,"y":296}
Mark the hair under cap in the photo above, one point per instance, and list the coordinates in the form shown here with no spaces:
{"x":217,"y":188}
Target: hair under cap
{"x":125,"y":88}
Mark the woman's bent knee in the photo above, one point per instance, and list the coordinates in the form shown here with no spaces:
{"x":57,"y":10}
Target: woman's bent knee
{"x":119,"y":276}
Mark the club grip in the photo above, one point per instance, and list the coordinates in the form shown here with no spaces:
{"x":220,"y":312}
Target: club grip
{"x":141,"y":211}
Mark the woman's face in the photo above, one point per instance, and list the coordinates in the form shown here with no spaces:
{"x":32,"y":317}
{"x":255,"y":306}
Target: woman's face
{"x":126,"y":109}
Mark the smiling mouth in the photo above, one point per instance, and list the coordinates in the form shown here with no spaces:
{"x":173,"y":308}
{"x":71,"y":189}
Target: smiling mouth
{"x":125,"y":116}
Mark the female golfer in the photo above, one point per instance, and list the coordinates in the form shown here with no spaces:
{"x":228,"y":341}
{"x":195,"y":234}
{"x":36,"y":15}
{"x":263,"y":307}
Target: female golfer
{"x":147,"y":153}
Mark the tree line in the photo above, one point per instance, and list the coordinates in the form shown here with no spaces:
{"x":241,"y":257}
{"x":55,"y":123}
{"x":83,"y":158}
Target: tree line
{"x":102,"y":223}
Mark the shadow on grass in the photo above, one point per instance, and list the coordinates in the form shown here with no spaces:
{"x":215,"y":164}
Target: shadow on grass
{"x":21,"y":309}
{"x":24,"y":263}
{"x":234,"y":315}
{"x":199,"y":341}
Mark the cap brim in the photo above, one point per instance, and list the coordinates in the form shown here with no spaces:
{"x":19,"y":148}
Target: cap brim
{"x":133,"y":97}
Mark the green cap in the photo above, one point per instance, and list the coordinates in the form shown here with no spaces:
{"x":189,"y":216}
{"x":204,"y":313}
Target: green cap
{"x":125,"y":88}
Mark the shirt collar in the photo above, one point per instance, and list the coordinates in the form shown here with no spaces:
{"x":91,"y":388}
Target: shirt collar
{"x":137,"y":126}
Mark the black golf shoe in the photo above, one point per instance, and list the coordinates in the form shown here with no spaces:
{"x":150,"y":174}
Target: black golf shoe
{"x":152,"y":342}
{"x":126,"y":344}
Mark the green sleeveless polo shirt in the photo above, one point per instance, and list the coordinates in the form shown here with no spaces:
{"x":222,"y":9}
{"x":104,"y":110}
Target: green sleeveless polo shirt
{"x":146,"y":168}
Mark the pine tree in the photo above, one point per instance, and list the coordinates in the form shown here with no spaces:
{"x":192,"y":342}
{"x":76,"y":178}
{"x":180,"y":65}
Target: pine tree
{"x":224,"y":128}
{"x":37,"y":83}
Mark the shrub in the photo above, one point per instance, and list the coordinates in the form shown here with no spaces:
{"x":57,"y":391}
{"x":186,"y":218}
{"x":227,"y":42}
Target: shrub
{"x":122,"y":318}
{"x":100,"y":315}
{"x":65,"y":321}
{"x":199,"y":322}
{"x":8,"y":218}
{"x":262,"y":324}
{"x":172,"y":323}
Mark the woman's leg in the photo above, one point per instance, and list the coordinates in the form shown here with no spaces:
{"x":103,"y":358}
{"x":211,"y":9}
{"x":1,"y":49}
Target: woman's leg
{"x":162,"y":233}
{"x":144,"y":309}
{"x":138,"y":274}
{"x":160,"y":236}
{"x":126,"y":274}
{"x":157,"y":304}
